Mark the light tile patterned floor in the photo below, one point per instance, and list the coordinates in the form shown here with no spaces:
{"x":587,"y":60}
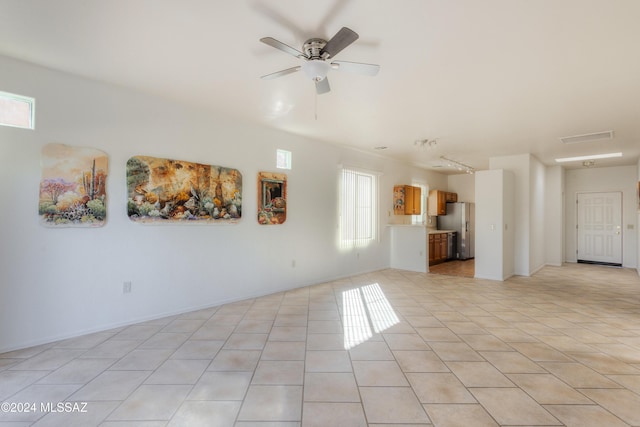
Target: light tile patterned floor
{"x":387,"y":348}
{"x":464,"y":268}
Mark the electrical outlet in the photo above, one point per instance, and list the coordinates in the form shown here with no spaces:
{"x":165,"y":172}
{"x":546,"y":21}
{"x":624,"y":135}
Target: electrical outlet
{"x":126,"y":287}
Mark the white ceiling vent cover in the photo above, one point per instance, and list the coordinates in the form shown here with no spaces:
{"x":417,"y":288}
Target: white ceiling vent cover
{"x":587,"y":137}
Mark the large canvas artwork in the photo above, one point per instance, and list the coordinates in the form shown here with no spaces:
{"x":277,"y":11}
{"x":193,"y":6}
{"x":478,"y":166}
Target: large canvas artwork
{"x":166,"y":191}
{"x":272,"y":198}
{"x":73,"y":186}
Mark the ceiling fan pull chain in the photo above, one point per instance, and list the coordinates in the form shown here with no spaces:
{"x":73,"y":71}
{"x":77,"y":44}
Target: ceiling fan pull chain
{"x":316,"y":105}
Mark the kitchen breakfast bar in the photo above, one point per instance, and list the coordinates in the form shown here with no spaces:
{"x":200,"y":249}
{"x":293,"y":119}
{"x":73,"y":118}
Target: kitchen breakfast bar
{"x":413,"y":247}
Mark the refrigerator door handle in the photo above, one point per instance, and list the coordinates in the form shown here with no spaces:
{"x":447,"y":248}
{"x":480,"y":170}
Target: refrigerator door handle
{"x":466,"y":226}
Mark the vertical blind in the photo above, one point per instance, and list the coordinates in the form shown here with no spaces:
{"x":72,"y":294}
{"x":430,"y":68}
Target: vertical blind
{"x":358,"y":207}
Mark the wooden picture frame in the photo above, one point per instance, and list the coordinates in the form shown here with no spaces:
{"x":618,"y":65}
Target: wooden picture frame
{"x":272,"y":198}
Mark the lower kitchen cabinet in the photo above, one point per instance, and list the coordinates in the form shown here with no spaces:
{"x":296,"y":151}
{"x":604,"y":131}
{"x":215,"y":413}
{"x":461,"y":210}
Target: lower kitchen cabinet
{"x":437,"y":248}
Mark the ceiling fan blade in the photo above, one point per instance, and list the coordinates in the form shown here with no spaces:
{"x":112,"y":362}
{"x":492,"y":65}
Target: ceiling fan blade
{"x":323,"y":86}
{"x":281,"y":73}
{"x":342,"y":39}
{"x":283,"y":47}
{"x":356,"y":67}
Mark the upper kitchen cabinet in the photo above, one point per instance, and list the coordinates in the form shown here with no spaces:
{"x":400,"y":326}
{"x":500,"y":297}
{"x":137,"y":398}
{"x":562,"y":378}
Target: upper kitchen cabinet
{"x":407,"y":200}
{"x":438,"y":202}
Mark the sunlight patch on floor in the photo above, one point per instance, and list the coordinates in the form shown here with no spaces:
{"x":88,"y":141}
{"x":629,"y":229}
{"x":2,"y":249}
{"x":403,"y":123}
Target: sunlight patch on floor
{"x":365,"y":310}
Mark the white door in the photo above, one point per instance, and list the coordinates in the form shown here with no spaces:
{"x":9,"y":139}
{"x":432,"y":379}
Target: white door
{"x":599,"y":228}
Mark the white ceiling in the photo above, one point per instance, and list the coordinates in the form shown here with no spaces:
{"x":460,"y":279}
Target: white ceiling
{"x":484,"y":78}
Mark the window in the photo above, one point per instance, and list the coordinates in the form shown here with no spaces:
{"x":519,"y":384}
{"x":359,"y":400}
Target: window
{"x":420,"y":219}
{"x":16,"y":110}
{"x":283,"y":159}
{"x":358,"y":208}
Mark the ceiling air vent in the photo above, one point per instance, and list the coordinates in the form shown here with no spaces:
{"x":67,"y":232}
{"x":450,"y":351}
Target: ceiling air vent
{"x":587,"y":137}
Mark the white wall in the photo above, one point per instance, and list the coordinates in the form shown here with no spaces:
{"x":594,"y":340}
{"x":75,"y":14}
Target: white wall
{"x":494,"y":250}
{"x":537,"y":220}
{"x":622,"y":179}
{"x":520,"y":166}
{"x":58,"y":283}
{"x":554,"y":215}
{"x":638,"y":221}
{"x":509,"y":225}
{"x":463,"y":185}
{"x":529,"y":198}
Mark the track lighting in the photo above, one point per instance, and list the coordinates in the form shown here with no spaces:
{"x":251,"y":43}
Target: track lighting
{"x":458,"y":165}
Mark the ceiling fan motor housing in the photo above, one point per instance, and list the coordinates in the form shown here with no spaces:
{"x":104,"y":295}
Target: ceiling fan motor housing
{"x":313,"y":47}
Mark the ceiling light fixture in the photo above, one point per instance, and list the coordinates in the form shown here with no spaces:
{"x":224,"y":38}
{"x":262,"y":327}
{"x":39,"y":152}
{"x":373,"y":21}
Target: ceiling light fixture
{"x":459,"y":165}
{"x":316,"y":70}
{"x":592,"y":157}
{"x":425,"y":143}
{"x":588,"y":137}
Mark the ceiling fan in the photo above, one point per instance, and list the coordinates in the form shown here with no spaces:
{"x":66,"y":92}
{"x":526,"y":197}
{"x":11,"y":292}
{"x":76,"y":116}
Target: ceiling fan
{"x":318,"y":55}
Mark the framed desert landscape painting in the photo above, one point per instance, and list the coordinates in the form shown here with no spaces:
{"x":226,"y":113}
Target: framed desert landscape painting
{"x":176,"y":191}
{"x":73,"y":189}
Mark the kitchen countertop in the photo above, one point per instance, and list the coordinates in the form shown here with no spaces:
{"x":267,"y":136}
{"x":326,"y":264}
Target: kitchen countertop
{"x":441,"y":231}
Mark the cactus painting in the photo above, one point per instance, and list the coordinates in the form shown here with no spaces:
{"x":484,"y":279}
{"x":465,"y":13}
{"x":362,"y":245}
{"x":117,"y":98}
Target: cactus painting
{"x":169,"y":191}
{"x":73,"y":186}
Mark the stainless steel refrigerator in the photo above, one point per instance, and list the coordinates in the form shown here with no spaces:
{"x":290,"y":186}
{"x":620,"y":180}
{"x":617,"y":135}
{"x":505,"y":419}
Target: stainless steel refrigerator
{"x":460,"y":217}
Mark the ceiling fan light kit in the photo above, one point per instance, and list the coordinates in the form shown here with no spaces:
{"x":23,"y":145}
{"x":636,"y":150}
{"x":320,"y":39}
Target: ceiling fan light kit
{"x":316,"y":70}
{"x":317,"y":53}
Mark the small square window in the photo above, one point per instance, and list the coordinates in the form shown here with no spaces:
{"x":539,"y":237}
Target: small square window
{"x":16,"y":110}
{"x":283,"y":159}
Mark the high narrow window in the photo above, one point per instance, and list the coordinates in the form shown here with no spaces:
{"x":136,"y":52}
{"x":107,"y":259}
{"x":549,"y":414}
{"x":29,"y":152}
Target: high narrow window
{"x":283,"y":159}
{"x":420,"y":219}
{"x":16,"y":110}
{"x":358,"y":208}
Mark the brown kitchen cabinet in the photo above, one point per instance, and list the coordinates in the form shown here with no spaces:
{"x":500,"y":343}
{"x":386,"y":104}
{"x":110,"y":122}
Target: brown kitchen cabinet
{"x":438,"y":200}
{"x":407,"y":200}
{"x":437,"y":248}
